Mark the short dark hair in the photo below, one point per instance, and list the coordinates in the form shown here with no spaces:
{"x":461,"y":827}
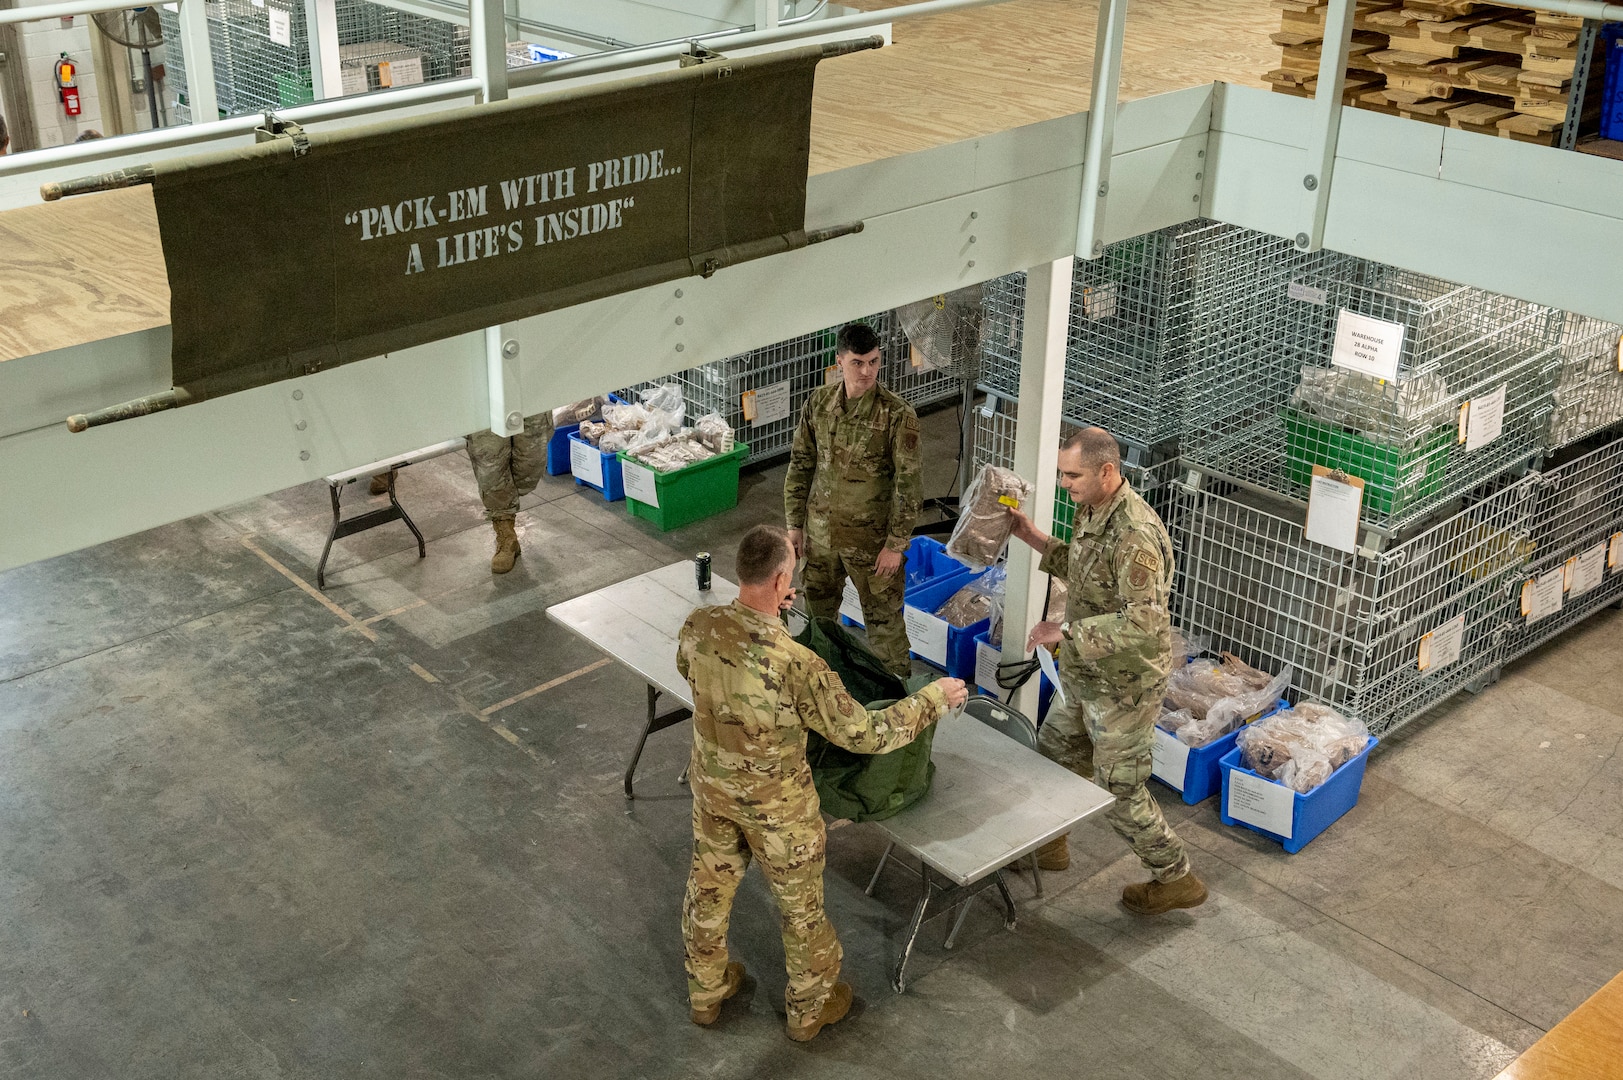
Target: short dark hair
{"x":760,"y":553}
{"x":856,"y":338}
{"x":1098,"y":447}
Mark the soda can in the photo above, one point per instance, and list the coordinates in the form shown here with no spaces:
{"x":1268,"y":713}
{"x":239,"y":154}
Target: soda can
{"x":701,"y":570}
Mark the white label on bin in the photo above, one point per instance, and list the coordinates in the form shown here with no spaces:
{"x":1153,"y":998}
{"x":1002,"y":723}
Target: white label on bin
{"x":1441,"y":647}
{"x":987,"y":658}
{"x":1586,"y":570}
{"x":586,"y":462}
{"x":281,"y":26}
{"x":1298,"y":291}
{"x":926,"y":634}
{"x":851,"y":604}
{"x":1541,"y":597}
{"x":1371,"y":346}
{"x":1484,"y":419}
{"x":1262,"y":803}
{"x":639,"y":480}
{"x":1171,"y":758}
{"x":771,"y":403}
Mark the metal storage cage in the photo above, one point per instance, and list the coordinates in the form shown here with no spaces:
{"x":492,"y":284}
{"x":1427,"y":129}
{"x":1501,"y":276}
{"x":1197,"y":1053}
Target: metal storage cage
{"x":1264,"y":405}
{"x":917,"y":385}
{"x":1368,"y":633}
{"x":253,"y":72}
{"x":1589,"y":387}
{"x":1576,"y":529}
{"x":1129,"y":340}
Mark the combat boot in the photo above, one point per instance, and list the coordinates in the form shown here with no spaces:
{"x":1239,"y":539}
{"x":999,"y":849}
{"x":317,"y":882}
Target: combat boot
{"x":506,"y":546}
{"x":1158,"y":897}
{"x":734,"y":979}
{"x":1054,"y":855}
{"x":835,"y":1007}
{"x":379,"y":484}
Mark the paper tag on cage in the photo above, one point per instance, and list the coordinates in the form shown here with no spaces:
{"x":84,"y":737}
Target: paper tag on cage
{"x":771,"y":403}
{"x":913,"y":356}
{"x":281,"y":27}
{"x":1614,"y":553}
{"x":748,"y":402}
{"x":1442,"y":646}
{"x":1620,"y":352}
{"x":1586,"y":570}
{"x":1099,"y":301}
{"x":1371,"y":346}
{"x":1482,"y":419}
{"x":1307,"y":294}
{"x":831,"y":375}
{"x":1541,"y":596}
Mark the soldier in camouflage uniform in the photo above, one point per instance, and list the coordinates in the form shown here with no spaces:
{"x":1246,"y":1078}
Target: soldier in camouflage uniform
{"x":756,"y":693}
{"x":1115,"y":653}
{"x":853,"y":494}
{"x":507,"y":468}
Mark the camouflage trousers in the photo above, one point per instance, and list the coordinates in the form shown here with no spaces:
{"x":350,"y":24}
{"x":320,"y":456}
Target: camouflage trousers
{"x":509,"y":467}
{"x":791,"y":856}
{"x":881,"y":598}
{"x":1110,"y":740}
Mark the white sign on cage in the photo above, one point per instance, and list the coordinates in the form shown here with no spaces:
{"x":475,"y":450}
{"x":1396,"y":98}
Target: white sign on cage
{"x":1587,"y":570}
{"x":1482,"y":419}
{"x":1442,"y":646}
{"x":1333,"y":504}
{"x":281,"y":26}
{"x":1370,"y":346}
{"x":1541,"y":596}
{"x":768,"y":404}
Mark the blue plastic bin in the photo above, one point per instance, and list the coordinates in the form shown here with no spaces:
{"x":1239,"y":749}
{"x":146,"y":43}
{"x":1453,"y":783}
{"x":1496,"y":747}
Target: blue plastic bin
{"x":1045,"y":689}
{"x":558,"y":449}
{"x":960,"y":639}
{"x":613,"y":488}
{"x":1202,"y":777}
{"x":1314,"y":812}
{"x":1611,"y":107}
{"x":927,"y":561}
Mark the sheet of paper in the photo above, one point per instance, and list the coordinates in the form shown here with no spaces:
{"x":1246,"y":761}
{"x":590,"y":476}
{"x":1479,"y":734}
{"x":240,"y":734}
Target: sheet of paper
{"x":1307,"y":294}
{"x":1586,"y":571}
{"x":1614,"y":553}
{"x":354,"y":79}
{"x":639,"y":483}
{"x":1332,"y":512}
{"x":1541,"y":597}
{"x":1171,"y":758}
{"x":586,"y":462}
{"x":1372,"y":346}
{"x":1260,"y":802}
{"x":1045,"y":660}
{"x":1099,"y":301}
{"x":1442,"y":646}
{"x":407,"y":71}
{"x":926,"y":634}
{"x":281,"y":26}
{"x":771,"y":403}
{"x":851,"y":604}
{"x":1485,"y":419}
{"x":987,"y":658}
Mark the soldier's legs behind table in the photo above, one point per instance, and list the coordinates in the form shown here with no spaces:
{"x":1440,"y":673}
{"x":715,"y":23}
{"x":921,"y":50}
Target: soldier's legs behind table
{"x":880,"y":596}
{"x":506,"y":469}
{"x":792,"y":859}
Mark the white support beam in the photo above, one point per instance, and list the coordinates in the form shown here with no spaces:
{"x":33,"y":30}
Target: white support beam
{"x":1326,"y":125}
{"x":505,"y":382}
{"x":326,"y":62}
{"x":766,"y":14}
{"x":194,"y":47}
{"x":487,"y":42}
{"x":1101,"y":138}
{"x":1036,"y":452}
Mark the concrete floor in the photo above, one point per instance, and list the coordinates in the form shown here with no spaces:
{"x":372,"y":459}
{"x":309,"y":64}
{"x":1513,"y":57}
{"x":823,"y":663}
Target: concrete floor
{"x":248,"y":830}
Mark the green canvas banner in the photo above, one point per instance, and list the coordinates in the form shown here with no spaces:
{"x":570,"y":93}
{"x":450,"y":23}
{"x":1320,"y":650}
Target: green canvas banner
{"x":296,"y":255}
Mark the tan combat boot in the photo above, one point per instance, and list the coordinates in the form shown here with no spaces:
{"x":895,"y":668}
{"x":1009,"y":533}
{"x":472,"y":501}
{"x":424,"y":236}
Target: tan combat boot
{"x":1157,"y":897}
{"x":734,"y":979}
{"x":835,"y":1007}
{"x":379,"y":484}
{"x":1054,"y":855}
{"x":506,"y":546}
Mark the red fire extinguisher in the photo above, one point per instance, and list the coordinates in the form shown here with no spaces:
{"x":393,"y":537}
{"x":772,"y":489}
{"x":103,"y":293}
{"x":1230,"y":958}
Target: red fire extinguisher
{"x":67,"y":85}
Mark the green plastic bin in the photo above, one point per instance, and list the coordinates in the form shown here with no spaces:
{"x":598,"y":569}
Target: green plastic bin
{"x":692,"y":493}
{"x":1395,"y":475}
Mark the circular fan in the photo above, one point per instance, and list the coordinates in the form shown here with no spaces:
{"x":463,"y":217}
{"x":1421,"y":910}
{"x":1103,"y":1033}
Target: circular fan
{"x":134,"y":28}
{"x":945,"y":331}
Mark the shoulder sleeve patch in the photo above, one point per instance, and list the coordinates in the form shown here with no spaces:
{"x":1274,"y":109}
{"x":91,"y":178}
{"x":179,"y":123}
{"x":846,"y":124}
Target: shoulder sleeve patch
{"x":1148,"y":559}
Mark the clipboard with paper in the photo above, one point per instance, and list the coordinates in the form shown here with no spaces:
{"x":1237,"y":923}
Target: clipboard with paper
{"x":1334,"y":505}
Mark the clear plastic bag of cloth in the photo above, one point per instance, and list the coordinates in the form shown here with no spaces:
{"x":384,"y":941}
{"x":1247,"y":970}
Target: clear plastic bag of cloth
{"x":673,"y":452}
{"x":593,"y":431}
{"x":625,"y":417}
{"x":714,"y":432}
{"x":1301,"y":747}
{"x":667,"y":410}
{"x":579,"y":412}
{"x":973,"y":602}
{"x":1201,"y":684}
{"x":1229,"y":713}
{"x":983,"y":527}
{"x":1173,"y":721}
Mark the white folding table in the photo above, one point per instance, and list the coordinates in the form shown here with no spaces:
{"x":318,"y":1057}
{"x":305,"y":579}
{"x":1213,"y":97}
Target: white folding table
{"x":992,"y":801}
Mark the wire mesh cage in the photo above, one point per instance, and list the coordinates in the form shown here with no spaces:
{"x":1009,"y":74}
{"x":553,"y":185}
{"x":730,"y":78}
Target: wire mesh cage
{"x":1576,"y":532}
{"x":1381,"y":636}
{"x":1589,"y":387}
{"x":1129,"y":339}
{"x":261,"y":52}
{"x":1266,"y":404}
{"x":907,"y":375}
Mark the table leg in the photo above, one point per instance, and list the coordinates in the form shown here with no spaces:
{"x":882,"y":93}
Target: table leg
{"x":422,"y":547}
{"x":1036,"y":875}
{"x":332,"y":534}
{"x":898,"y":981}
{"x":958,"y":923}
{"x":1008,"y":900}
{"x":642,"y":740}
{"x":874,"y":881}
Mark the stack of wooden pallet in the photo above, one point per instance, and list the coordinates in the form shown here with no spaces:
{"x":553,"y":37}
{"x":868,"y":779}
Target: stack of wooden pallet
{"x":1488,"y":68}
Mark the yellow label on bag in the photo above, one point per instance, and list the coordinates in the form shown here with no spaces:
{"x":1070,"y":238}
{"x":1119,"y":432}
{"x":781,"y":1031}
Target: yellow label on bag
{"x":1009,"y":500}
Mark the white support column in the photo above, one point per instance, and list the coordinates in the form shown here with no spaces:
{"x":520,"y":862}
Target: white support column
{"x":506,"y":386}
{"x":766,"y":14}
{"x":1101,"y":138}
{"x":1326,"y":127}
{"x":194,"y":49}
{"x":1036,"y":452}
{"x":326,"y":62}
{"x":487,"y":34}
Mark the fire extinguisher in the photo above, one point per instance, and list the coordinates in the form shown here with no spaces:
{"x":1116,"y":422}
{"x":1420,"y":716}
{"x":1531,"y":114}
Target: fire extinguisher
{"x":67,"y":85}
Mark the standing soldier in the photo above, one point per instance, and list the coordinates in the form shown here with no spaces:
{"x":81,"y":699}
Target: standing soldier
{"x":853,"y":493}
{"x":507,"y":468}
{"x":1115,"y":653}
{"x":756,"y":693}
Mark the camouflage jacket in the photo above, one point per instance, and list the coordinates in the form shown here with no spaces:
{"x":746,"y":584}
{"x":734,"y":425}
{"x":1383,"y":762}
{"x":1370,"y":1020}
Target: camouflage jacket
{"x":1118,"y":567}
{"x":756,"y":692}
{"x":854,"y":471}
